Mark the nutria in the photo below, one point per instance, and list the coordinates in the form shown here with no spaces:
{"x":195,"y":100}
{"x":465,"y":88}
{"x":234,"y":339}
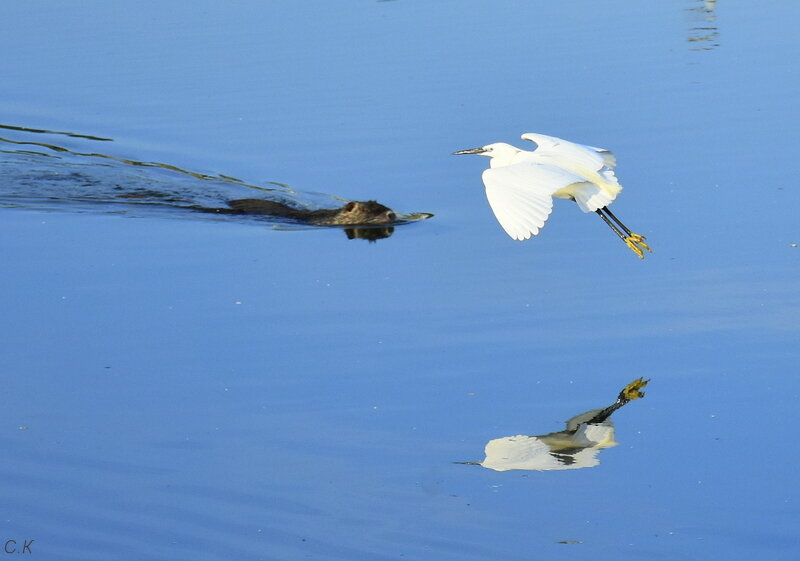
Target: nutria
{"x":354,"y":213}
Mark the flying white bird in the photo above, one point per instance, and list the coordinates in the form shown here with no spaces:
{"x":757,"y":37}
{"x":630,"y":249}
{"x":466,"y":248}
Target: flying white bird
{"x":521,"y":184}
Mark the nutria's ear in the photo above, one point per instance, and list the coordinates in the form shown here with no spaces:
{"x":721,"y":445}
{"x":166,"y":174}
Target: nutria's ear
{"x":349,"y":206}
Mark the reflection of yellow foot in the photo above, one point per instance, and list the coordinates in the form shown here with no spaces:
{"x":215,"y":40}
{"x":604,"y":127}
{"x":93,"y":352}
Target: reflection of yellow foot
{"x":636,"y":244}
{"x":632,"y":392}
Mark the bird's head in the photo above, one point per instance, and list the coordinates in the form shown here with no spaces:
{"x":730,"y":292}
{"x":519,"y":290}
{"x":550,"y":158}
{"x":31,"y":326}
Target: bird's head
{"x":500,"y":151}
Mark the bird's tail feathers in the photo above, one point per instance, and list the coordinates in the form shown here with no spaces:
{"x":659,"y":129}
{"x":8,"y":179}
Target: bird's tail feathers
{"x":591,"y":197}
{"x":609,"y":159}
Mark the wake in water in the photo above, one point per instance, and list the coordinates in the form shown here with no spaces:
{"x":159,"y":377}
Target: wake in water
{"x":64,"y":171}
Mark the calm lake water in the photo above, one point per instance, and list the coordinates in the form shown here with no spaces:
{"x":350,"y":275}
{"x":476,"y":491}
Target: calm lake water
{"x":182,"y":386}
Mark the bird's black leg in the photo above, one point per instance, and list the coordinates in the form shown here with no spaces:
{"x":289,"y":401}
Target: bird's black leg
{"x":617,"y":220}
{"x":611,"y":225}
{"x":634,"y":241}
{"x":637,"y":239}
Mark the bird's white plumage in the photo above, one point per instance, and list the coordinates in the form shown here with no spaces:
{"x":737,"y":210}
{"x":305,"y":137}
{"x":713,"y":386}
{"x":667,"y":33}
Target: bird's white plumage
{"x":521,"y":195}
{"x":521,"y":184}
{"x":570,"y":153}
{"x":590,"y":197}
{"x":594,"y":164}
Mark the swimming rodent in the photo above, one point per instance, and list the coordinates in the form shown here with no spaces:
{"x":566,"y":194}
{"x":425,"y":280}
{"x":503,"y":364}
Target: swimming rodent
{"x":354,"y":213}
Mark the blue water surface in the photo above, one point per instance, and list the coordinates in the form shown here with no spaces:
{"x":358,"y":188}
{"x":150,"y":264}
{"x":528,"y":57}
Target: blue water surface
{"x":187,"y":388}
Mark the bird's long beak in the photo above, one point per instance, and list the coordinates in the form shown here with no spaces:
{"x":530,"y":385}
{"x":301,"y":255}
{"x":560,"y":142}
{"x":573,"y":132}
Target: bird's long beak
{"x":470,"y":151}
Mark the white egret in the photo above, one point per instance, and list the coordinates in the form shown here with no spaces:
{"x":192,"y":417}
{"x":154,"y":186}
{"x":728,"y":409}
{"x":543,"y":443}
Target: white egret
{"x":521,"y":184}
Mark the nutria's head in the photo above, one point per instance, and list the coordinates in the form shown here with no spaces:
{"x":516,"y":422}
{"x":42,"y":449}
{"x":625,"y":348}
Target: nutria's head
{"x":365,"y":212}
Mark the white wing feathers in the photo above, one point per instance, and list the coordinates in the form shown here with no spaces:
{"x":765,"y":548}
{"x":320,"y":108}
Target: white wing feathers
{"x":521,"y":195}
{"x":586,"y":160}
{"x":557,"y":148}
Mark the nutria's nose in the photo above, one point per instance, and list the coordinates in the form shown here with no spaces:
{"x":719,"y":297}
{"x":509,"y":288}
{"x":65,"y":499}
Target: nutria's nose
{"x":391,"y":216}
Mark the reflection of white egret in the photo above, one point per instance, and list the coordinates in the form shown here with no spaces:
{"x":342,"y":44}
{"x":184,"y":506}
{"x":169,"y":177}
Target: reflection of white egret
{"x":703,"y":34}
{"x":574,"y":448}
{"x":521,"y":184}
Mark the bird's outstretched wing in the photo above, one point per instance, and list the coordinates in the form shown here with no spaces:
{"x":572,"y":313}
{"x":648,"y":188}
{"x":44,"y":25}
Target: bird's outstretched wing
{"x":521,"y":195}
{"x":572,"y":156}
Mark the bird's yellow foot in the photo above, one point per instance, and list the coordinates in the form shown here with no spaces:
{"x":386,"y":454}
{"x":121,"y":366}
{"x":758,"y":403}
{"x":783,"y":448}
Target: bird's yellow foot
{"x":633,"y":390}
{"x":636,"y":244}
{"x":639,"y":240}
{"x":634,"y":248}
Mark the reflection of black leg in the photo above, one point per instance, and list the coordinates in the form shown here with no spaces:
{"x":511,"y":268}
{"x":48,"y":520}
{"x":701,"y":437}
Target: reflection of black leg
{"x":611,"y":225}
{"x":606,"y":413}
{"x":629,"y":393}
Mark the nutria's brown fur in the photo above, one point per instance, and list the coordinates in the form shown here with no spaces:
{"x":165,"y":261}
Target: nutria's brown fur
{"x":352,"y":214}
